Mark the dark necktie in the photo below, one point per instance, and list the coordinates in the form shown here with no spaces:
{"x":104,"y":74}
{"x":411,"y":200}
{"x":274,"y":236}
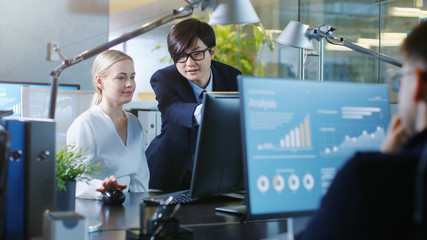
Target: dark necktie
{"x":201,"y":96}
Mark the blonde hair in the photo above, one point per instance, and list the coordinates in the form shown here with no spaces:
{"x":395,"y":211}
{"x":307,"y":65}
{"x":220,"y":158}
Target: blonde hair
{"x":100,"y":65}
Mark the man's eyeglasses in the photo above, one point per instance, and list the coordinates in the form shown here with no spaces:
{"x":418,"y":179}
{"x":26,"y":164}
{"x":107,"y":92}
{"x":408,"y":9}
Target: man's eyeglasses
{"x":196,"y":56}
{"x":396,"y":79}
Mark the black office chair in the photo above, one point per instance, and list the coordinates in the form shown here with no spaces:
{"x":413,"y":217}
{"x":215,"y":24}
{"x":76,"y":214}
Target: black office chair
{"x":4,"y":166}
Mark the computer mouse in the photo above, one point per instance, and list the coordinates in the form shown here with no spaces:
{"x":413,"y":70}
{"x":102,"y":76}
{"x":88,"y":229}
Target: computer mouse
{"x":113,"y":197}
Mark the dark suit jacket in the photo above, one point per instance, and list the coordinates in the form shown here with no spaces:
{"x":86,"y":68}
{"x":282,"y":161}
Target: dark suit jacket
{"x":371,"y":197}
{"x":170,"y":154}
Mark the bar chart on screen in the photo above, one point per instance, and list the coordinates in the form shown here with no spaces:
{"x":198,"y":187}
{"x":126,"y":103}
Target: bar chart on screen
{"x":298,"y":135}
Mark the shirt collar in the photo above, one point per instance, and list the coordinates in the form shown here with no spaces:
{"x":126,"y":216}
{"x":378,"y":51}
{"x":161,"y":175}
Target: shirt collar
{"x":197,"y":90}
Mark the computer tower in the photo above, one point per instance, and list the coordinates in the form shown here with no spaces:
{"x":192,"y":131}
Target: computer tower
{"x":31,"y":176}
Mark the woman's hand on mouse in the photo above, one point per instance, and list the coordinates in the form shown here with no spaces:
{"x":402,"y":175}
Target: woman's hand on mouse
{"x":110,"y":183}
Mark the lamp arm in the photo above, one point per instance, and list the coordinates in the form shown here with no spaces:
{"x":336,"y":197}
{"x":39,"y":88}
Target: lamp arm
{"x":175,"y":14}
{"x":363,"y":50}
{"x":376,"y":55}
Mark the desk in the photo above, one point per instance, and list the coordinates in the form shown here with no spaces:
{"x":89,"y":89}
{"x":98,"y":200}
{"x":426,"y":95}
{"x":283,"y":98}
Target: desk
{"x":199,"y":217}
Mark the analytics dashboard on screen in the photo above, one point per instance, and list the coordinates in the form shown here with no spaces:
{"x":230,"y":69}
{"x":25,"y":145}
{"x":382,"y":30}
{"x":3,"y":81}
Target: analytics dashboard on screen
{"x":297,"y":135}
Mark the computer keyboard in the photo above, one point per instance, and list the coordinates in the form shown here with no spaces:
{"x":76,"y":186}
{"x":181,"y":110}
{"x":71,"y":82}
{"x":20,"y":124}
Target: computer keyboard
{"x":180,"y":197}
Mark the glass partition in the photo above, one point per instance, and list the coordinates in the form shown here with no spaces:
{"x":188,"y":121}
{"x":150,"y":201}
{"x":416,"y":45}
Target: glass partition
{"x":377,"y":25}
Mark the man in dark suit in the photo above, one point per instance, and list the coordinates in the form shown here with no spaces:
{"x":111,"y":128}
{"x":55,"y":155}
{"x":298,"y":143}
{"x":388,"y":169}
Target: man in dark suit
{"x":179,"y":89}
{"x":374,"y":196}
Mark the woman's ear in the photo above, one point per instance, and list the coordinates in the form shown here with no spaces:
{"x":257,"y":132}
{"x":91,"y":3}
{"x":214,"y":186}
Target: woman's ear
{"x":98,"y":81}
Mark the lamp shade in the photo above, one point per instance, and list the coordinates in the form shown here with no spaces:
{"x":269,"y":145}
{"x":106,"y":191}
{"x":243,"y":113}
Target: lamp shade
{"x":233,"y":12}
{"x":294,"y":35}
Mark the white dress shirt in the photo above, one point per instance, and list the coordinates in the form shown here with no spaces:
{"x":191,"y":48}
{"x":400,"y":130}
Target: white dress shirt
{"x":95,"y":130}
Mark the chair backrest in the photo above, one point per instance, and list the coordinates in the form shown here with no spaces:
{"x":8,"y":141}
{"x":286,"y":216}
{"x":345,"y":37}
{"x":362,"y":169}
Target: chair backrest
{"x":4,"y":166}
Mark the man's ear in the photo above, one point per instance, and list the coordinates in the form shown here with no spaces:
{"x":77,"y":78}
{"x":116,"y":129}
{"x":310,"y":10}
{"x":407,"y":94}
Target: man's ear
{"x":421,"y":85}
{"x":213,"y":51}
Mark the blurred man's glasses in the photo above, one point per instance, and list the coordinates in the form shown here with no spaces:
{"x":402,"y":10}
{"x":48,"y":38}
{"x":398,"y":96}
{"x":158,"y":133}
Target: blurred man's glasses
{"x":196,"y":56}
{"x":396,"y":78}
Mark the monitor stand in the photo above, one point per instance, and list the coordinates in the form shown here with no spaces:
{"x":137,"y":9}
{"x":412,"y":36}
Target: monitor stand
{"x":295,"y":225}
{"x":236,"y":195}
{"x":238,"y":209}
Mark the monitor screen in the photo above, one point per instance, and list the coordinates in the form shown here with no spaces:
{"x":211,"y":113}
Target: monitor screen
{"x":218,"y":163}
{"x":10,"y":94}
{"x":69,"y":105}
{"x":297,"y":134}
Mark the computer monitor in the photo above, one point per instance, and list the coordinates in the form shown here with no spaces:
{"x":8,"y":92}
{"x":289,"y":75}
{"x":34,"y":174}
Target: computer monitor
{"x":297,"y":134}
{"x":69,"y":105}
{"x":218,"y":166}
{"x":218,"y":163}
{"x":11,"y":93}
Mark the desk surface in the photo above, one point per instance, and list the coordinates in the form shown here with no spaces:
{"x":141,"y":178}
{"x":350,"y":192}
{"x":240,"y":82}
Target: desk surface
{"x":199,"y":217}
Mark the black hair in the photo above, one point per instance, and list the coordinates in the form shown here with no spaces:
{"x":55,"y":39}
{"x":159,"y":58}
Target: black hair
{"x":184,"y":35}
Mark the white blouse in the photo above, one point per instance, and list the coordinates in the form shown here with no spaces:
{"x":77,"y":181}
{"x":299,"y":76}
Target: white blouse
{"x":94,"y":130}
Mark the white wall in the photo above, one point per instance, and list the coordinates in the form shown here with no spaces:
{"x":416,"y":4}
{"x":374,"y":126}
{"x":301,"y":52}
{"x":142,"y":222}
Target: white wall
{"x":27,"y":26}
{"x":142,"y":48}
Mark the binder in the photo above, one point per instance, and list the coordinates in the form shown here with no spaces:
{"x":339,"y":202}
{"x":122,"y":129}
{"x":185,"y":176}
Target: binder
{"x":31,"y":176}
{"x":151,"y":124}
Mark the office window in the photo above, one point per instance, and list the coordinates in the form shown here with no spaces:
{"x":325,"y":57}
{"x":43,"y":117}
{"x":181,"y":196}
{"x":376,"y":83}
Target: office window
{"x":378,"y":25}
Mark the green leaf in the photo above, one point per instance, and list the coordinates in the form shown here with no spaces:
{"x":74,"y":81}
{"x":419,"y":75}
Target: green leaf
{"x":71,"y":165}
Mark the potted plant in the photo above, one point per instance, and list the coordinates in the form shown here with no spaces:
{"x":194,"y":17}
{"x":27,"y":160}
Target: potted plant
{"x":71,"y":166}
{"x":227,"y":38}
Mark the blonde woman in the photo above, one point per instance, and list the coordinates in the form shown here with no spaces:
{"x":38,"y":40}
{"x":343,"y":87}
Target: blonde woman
{"x":113,"y":137}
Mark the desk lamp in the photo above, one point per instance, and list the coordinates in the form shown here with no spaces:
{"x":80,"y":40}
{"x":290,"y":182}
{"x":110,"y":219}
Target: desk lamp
{"x":237,"y":8}
{"x":234,"y":12}
{"x":300,"y":36}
